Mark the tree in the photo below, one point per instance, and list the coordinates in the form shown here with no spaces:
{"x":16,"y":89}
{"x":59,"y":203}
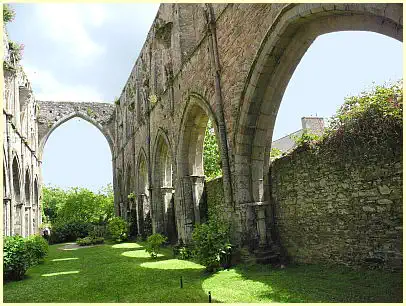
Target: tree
{"x":211,"y":153}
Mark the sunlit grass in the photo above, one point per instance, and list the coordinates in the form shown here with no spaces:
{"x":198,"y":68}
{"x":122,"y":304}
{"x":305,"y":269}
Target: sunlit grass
{"x":139,"y":254}
{"x":60,"y":273}
{"x":172,"y":264}
{"x":230,"y":287}
{"x":128,"y":245}
{"x":65,"y":259}
{"x":104,"y":275}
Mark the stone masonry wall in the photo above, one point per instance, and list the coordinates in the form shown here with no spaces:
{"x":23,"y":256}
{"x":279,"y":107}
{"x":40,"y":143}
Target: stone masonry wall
{"x":332,"y":212}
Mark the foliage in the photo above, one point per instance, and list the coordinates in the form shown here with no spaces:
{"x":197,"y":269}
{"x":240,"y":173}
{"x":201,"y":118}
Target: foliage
{"x":371,"y":119}
{"x":16,"y":259}
{"x":306,"y":138}
{"x":75,"y":212}
{"x":370,"y":123}
{"x":69,"y":231}
{"x":154,"y":243}
{"x":275,"y":153}
{"x":89,"y":240}
{"x":211,"y":243}
{"x":16,"y":50}
{"x":118,"y":229}
{"x":98,"y":231}
{"x":37,"y":249}
{"x":211,"y":153}
{"x":117,"y":101}
{"x":132,"y":196}
{"x":184,"y":253}
{"x":8,"y":13}
{"x":153,"y":99}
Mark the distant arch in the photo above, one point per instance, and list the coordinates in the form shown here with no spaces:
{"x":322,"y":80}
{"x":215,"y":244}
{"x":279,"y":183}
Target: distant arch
{"x":68,"y":117}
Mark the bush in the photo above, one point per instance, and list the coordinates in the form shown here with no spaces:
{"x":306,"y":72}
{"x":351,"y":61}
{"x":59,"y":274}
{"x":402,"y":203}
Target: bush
{"x":184,"y":253}
{"x":211,"y":244}
{"x":16,"y":260}
{"x":84,"y":241}
{"x":37,"y":249}
{"x":89,"y":240}
{"x":70,"y":231}
{"x":118,"y":229}
{"x":98,"y":231}
{"x":154,"y":243}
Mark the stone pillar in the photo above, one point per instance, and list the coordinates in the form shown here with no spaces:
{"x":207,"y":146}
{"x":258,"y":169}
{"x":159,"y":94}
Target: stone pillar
{"x":261,"y":226}
{"x":188,"y":208}
{"x":197,"y":191}
{"x":6,"y":216}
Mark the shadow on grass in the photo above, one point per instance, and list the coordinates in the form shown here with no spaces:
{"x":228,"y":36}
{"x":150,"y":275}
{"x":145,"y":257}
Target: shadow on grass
{"x":315,"y":283}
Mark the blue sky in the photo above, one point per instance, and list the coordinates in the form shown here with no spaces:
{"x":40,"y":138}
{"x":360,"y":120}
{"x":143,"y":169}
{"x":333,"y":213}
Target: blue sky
{"x":85,"y":52}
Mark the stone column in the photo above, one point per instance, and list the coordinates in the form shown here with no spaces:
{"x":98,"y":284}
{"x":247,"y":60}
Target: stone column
{"x":188,"y":208}
{"x":261,"y":225}
{"x":197,"y":188}
{"x":6,"y":216}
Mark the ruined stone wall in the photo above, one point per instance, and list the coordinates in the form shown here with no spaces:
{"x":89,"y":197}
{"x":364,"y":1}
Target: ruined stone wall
{"x":177,"y":75}
{"x":21,"y":165}
{"x":334,"y":211}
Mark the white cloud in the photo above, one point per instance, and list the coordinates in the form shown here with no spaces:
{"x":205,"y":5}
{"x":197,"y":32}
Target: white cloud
{"x":66,"y":24}
{"x":47,"y":88}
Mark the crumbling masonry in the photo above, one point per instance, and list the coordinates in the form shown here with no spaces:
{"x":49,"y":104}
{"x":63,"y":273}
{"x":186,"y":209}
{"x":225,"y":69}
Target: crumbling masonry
{"x":229,"y":63}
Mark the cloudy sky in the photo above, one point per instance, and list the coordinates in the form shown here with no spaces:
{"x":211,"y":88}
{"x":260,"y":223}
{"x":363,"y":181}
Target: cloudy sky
{"x":85,"y":52}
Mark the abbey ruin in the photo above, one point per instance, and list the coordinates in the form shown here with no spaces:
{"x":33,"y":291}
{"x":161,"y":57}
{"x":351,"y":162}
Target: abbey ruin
{"x":199,"y":62}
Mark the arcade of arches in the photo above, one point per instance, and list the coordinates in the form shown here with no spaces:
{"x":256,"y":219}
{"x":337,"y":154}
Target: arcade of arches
{"x":199,"y":62}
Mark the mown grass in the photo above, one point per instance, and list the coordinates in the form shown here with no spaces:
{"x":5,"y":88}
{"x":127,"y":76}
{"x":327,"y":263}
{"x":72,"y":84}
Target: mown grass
{"x":123,"y":273}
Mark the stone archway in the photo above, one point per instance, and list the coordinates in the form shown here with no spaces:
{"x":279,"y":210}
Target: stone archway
{"x":35,"y":208}
{"x":287,"y":41}
{"x":164,"y":207}
{"x":27,"y":211}
{"x":16,"y":203}
{"x":190,"y":162}
{"x":6,"y":199}
{"x":53,"y":114}
{"x":144,"y":211}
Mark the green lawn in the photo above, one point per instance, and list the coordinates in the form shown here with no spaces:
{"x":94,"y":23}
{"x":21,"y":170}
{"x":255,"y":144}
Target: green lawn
{"x":125,"y":273}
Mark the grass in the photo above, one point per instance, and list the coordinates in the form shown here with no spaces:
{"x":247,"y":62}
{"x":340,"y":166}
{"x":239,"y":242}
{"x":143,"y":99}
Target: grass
{"x":123,"y":273}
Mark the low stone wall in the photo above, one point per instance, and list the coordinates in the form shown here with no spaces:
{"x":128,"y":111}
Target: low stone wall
{"x":333,"y":211}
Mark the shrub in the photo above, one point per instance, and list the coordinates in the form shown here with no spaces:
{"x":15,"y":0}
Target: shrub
{"x":154,"y":243}
{"x":70,"y":231}
{"x":84,"y":241}
{"x":16,"y":260}
{"x":37,"y":249}
{"x":8,"y":13}
{"x":89,"y":240}
{"x":98,"y":231}
{"x":184,"y":253}
{"x":211,"y":244}
{"x":97,"y":240}
{"x":118,"y":229}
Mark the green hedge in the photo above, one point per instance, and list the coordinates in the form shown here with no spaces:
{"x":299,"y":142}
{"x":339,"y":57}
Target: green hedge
{"x":21,"y":253}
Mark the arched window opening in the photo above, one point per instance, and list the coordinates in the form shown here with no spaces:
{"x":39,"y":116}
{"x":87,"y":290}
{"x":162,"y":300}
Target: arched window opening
{"x":17,"y":205}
